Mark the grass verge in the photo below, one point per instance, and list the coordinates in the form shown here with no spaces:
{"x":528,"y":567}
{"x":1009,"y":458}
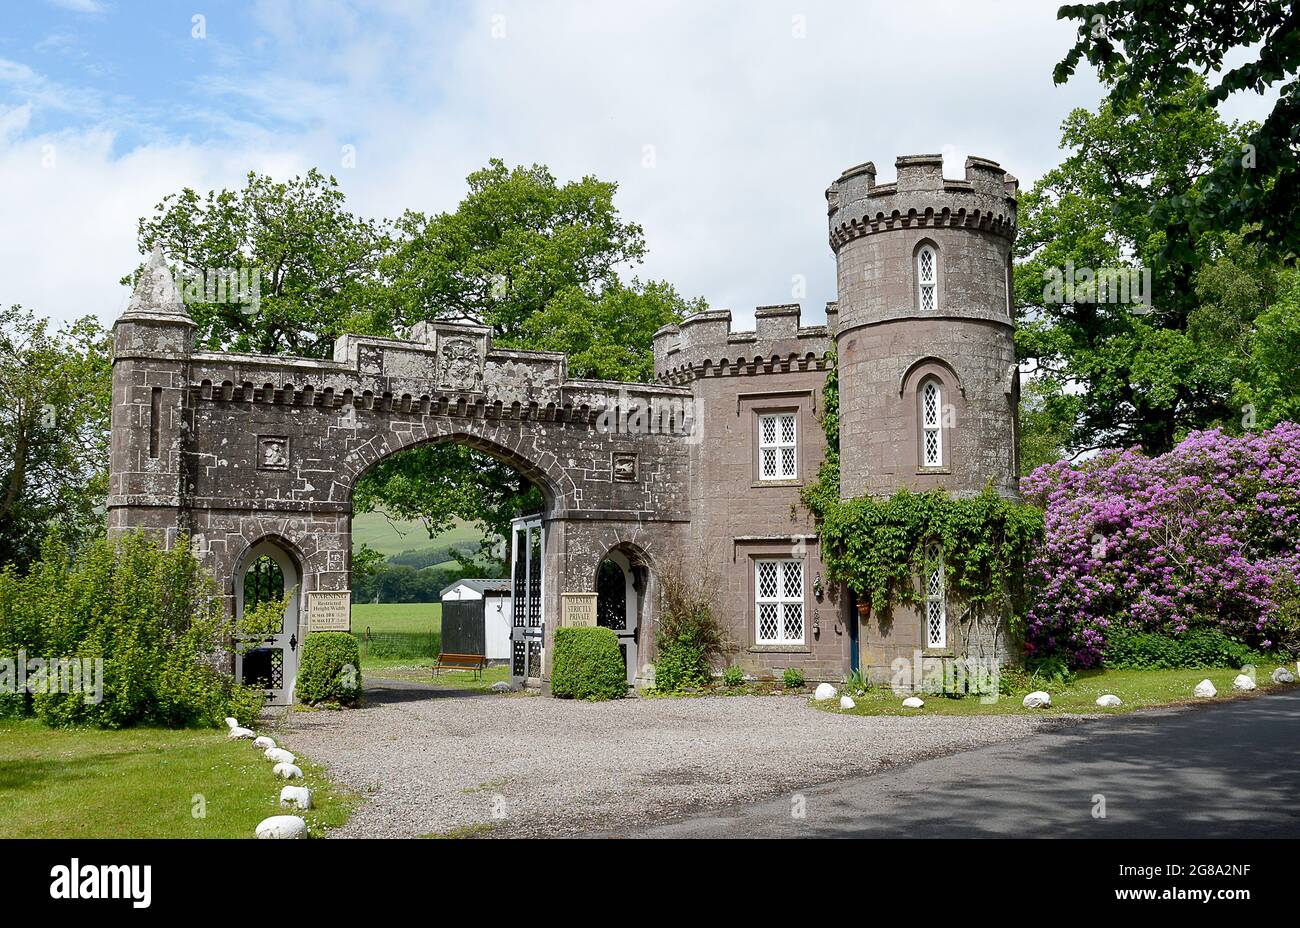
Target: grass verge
{"x":146,"y":783}
{"x":1138,"y":689}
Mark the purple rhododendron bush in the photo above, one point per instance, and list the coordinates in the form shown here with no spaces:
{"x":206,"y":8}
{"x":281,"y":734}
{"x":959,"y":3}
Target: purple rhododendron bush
{"x":1205,"y":536}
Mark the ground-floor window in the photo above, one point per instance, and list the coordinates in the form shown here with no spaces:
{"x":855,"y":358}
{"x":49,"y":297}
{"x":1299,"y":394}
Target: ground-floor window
{"x":936,"y":613}
{"x":779,"y":601}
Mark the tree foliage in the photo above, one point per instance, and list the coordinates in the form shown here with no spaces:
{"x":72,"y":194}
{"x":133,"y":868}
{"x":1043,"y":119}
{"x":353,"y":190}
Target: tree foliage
{"x":55,"y":399}
{"x":316,"y":264}
{"x":1127,"y":373}
{"x":1143,"y":48}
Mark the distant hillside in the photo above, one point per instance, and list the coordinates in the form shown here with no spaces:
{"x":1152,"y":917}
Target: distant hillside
{"x":392,"y":537}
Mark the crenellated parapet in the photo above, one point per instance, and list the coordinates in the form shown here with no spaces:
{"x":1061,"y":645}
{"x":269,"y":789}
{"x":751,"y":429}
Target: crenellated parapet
{"x":704,"y":345}
{"x":452,"y":371}
{"x":921,"y":197}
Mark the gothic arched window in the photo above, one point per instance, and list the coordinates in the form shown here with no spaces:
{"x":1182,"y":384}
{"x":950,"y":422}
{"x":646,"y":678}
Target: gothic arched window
{"x":927,"y":278}
{"x":931,"y":424}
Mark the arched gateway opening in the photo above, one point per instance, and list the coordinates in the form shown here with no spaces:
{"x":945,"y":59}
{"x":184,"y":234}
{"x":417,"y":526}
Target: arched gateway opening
{"x":266,"y":574}
{"x":253,"y":456}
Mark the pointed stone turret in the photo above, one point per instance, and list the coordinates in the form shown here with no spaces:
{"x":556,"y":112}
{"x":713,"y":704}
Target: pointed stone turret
{"x":152,"y":342}
{"x":156,"y":297}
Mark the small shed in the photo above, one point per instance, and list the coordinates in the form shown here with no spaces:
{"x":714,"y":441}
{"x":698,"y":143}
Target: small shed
{"x":476,"y":616}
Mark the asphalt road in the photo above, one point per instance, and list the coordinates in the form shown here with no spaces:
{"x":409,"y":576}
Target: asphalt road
{"x":1222,"y":770}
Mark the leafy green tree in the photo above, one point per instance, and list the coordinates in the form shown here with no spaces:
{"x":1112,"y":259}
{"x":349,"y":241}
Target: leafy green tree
{"x":1046,"y":415}
{"x":55,"y":397}
{"x":608,"y":337}
{"x":1147,"y":373}
{"x":516,"y":242}
{"x":297,"y":268}
{"x":1142,"y":48}
{"x":1269,"y":393}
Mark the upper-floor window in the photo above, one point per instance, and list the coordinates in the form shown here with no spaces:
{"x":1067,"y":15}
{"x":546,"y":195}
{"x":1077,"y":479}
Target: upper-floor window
{"x":927,"y":277}
{"x":931,"y":424}
{"x":778,"y":446}
{"x":778,"y":589}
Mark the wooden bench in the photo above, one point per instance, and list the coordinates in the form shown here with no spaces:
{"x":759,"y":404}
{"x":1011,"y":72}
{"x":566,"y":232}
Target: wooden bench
{"x":474,"y":662}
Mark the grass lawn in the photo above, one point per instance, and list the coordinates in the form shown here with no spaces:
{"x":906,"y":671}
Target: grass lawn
{"x":145,"y":783}
{"x":395,"y":618}
{"x":1137,"y":688}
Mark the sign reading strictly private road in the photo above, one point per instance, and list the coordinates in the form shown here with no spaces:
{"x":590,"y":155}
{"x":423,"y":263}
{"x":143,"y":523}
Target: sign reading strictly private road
{"x":579,"y":610}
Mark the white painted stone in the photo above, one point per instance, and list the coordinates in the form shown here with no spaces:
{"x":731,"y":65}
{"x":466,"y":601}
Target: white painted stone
{"x":262,"y":742}
{"x":846,"y":702}
{"x":287,"y":771}
{"x":1243,"y":682}
{"x":295,"y":797}
{"x":825,"y":691}
{"x":501,"y":686}
{"x":1282,"y":675}
{"x":1109,"y":701}
{"x":1205,"y":689}
{"x":232,"y":722}
{"x":913,"y":702}
{"x":238,"y":733}
{"x":278,"y":756}
{"x":282,"y":826}
{"x":1038,"y":699}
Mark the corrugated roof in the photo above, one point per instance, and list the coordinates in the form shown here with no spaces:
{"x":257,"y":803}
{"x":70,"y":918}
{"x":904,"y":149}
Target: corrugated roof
{"x":480,"y":586}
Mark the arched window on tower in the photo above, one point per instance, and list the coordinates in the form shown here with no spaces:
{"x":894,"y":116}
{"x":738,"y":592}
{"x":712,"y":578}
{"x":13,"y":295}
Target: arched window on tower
{"x":931,"y":424}
{"x":936,"y":606}
{"x":927,"y":278}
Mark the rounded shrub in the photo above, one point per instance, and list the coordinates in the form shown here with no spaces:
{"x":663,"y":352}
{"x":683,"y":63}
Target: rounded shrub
{"x":793,"y":678}
{"x":733,"y":676}
{"x":330,"y":670}
{"x":587,"y":665}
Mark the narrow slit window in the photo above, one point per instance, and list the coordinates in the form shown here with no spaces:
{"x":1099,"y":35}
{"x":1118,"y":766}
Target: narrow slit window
{"x":936,"y":613}
{"x":931,"y":425}
{"x":927,"y":276}
{"x":155,"y":420}
{"x":778,"y":447}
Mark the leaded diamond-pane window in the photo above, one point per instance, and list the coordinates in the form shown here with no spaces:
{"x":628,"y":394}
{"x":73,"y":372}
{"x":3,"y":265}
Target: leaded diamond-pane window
{"x":778,"y":447}
{"x":927,"y":277}
{"x":779,"y":594}
{"x":936,"y":618}
{"x":931,"y":425}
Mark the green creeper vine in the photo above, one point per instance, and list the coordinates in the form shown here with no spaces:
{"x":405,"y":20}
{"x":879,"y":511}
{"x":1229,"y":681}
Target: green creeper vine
{"x":877,"y":546}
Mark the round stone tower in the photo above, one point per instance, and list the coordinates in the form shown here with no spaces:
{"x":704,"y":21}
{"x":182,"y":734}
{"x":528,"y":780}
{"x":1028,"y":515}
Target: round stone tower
{"x":927,"y":368}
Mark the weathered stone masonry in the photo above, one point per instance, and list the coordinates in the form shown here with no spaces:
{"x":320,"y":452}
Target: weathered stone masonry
{"x":233,"y":449}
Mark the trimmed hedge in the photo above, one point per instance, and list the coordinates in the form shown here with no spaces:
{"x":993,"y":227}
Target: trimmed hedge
{"x":1201,"y":648}
{"x":587,"y":665}
{"x":331,"y":669}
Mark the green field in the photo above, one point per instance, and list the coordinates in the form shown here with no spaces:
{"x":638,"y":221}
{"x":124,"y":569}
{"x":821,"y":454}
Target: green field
{"x":1136,"y":688}
{"x":387,"y":618}
{"x":145,"y":783}
{"x":394,"y":536}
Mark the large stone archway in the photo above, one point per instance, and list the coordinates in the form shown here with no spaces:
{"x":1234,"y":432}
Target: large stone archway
{"x":231,"y":449}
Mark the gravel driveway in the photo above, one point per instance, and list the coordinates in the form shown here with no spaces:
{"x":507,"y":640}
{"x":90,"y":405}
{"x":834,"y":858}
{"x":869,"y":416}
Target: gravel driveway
{"x":437,"y":761}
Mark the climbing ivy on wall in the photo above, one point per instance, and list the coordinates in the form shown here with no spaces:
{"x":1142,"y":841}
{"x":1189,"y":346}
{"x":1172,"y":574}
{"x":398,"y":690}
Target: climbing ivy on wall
{"x":877,"y":546}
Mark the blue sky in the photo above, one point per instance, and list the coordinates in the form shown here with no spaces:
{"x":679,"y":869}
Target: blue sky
{"x":722,"y":123}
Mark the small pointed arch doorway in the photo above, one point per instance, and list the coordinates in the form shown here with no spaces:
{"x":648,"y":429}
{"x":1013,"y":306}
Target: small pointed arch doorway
{"x":269,"y":662}
{"x":621,"y":582}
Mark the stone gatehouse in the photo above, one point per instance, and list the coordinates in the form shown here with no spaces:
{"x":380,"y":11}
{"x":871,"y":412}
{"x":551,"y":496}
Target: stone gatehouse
{"x":254,"y":458}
